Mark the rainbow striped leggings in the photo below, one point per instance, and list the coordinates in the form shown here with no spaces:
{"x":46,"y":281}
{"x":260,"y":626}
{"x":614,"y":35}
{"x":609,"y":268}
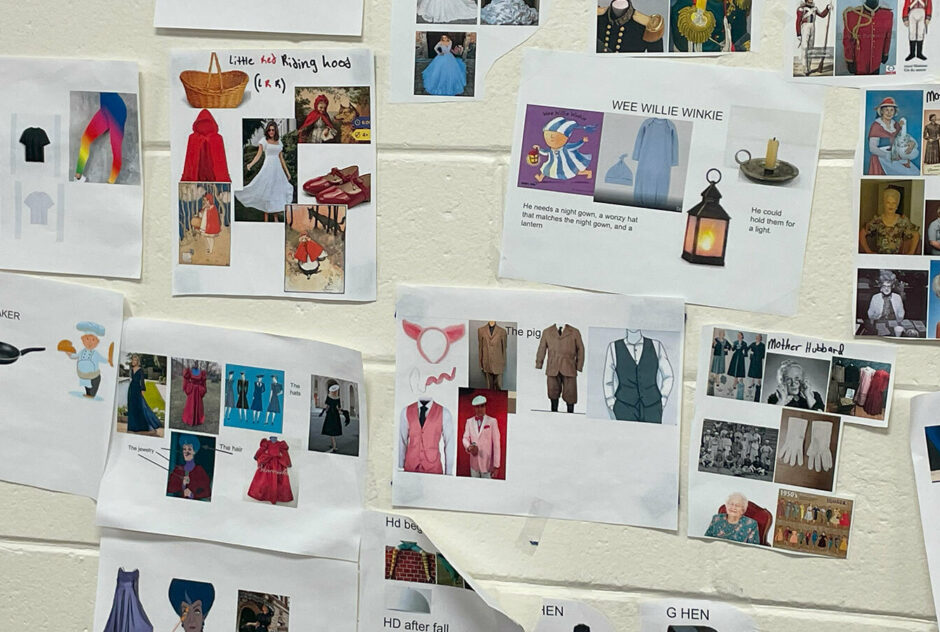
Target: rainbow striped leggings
{"x":109,"y":118}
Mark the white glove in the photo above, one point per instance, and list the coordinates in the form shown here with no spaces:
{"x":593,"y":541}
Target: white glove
{"x":818,"y":456}
{"x":792,"y":452}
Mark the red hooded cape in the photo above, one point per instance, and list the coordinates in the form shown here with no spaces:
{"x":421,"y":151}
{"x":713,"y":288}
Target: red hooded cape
{"x":205,"y":153}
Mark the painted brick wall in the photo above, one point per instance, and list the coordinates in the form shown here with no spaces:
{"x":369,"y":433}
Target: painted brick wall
{"x":443,"y":171}
{"x":409,"y":566}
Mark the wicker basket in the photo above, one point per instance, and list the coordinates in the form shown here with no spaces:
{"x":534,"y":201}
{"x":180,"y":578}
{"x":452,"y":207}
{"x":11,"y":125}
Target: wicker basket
{"x":214,"y":89}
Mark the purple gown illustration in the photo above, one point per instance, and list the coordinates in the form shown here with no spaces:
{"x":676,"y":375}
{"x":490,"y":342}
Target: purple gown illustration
{"x":446,"y":75}
{"x":127,"y":613}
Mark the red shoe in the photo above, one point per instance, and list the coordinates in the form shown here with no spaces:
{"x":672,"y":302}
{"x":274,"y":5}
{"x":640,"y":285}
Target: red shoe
{"x":356,"y":191}
{"x":334,"y":178}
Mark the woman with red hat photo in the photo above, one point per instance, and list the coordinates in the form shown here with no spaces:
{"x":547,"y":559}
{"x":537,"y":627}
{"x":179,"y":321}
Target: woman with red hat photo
{"x":892,"y":150}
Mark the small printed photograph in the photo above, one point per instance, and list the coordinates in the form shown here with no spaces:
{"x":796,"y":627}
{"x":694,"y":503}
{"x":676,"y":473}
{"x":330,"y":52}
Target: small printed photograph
{"x":643,"y":162}
{"x":932,"y":436}
{"x":270,"y":480}
{"x":493,"y":358}
{"x":315,"y":248}
{"x":205,"y":152}
{"x":811,"y":523}
{"x":447,"y":575}
{"x":142,"y":394}
{"x":330,"y":183}
{"x":861,"y":53}
{"x":738,"y":519}
{"x":422,"y":425}
{"x":445,"y":63}
{"x":893,"y":119}
{"x":562,"y":353}
{"x":933,"y":324}
{"x":633,"y":375}
{"x":761,"y":137}
{"x":891,"y":303}
{"x":509,"y":12}
{"x":192,"y":601}
{"x":560,"y":149}
{"x":734,"y":449}
{"x":796,"y":381}
{"x":405,"y":599}
{"x":408,"y":562}
{"x":814,"y":55}
{"x":858,"y":388}
{"x":263,"y":612}
{"x":714,"y":28}
{"x":104,"y":138}
{"x":481,"y":427}
{"x":932,"y":232}
{"x":807,"y":449}
{"x":192,"y":466}
{"x":736,"y":369}
{"x":930,"y":165}
{"x":447,"y":11}
{"x":195,"y":395}
{"x":889,"y":216}
{"x":269,"y":169}
{"x":254,"y":398}
{"x":334,"y":416}
{"x":637,"y":26}
{"x":333,"y":114}
{"x":205,"y":223}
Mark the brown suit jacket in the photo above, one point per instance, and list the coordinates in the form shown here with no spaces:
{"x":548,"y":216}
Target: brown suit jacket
{"x":492,"y":349}
{"x":565,"y":351}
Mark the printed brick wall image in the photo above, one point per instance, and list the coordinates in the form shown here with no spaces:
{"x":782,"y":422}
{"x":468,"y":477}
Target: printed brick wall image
{"x":408,"y":563}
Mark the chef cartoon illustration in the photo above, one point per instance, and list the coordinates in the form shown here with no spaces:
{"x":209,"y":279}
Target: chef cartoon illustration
{"x":88,"y":359}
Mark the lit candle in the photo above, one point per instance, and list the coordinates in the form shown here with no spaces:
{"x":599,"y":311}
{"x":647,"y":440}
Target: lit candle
{"x":770,"y":161}
{"x":700,"y":4}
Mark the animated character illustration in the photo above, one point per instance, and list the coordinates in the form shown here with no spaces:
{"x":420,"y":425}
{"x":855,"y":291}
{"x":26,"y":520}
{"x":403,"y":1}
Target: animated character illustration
{"x":564,"y":161}
{"x":89,"y":373}
{"x":189,"y":479}
{"x":192,"y":601}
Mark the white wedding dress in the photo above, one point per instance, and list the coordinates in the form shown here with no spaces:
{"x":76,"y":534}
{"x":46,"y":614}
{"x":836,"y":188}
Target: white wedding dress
{"x":443,"y":11}
{"x":270,"y":190}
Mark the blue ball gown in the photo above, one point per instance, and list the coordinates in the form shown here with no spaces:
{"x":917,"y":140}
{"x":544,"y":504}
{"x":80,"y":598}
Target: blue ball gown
{"x":446,"y":75}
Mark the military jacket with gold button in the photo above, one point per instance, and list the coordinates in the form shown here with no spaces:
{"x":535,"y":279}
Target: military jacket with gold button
{"x":632,"y":32}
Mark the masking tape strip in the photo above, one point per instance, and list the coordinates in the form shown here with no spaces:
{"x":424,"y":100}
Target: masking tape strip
{"x":531,"y":533}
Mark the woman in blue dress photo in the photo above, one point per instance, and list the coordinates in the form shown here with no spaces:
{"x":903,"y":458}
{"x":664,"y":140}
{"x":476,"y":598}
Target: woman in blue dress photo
{"x":446,"y":75}
{"x":140,"y":417}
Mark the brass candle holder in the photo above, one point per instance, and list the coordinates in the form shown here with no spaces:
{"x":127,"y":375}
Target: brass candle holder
{"x":755,"y":169}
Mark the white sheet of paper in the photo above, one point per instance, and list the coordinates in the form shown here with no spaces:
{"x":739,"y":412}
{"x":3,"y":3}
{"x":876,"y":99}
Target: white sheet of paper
{"x":816,"y":35}
{"x":64,"y":118}
{"x":902,"y":263}
{"x":629,"y":207}
{"x":144,"y":580}
{"x":398,"y":592}
{"x":254,"y":251}
{"x":52,"y":414}
{"x":925,"y":453}
{"x":315,"y":17}
{"x":484,"y":33}
{"x":530,"y":477}
{"x":692,"y":615}
{"x":736,"y":28}
{"x":239,"y":491}
{"x":563,"y":615}
{"x":746,"y":441}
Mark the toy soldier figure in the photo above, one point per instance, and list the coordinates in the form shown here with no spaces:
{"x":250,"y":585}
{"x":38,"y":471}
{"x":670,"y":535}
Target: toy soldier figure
{"x":916,"y":17}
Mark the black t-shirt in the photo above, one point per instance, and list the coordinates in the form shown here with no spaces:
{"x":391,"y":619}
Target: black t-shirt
{"x":35,"y":141}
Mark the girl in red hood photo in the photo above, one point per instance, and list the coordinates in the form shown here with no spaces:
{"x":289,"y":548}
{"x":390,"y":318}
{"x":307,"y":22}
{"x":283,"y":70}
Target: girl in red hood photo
{"x":318,"y":127}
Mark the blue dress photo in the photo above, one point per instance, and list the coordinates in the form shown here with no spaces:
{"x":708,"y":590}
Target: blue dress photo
{"x":447,"y":74}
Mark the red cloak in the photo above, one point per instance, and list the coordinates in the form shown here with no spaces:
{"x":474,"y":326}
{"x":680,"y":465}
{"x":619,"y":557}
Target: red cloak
{"x":205,"y":153}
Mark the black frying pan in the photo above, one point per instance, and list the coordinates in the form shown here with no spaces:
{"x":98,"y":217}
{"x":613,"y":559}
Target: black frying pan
{"x":10,"y":354}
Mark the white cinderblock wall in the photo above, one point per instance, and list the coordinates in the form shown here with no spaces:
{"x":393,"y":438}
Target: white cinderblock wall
{"x":443,"y":171}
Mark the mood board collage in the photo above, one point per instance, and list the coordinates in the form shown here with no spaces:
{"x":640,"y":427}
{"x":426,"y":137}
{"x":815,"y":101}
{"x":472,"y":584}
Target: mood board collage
{"x":234,"y":483}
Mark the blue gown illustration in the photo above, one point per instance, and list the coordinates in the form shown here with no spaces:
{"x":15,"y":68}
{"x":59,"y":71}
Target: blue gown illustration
{"x":139,"y":416}
{"x":127,"y":613}
{"x":446,"y":75}
{"x":274,"y":404}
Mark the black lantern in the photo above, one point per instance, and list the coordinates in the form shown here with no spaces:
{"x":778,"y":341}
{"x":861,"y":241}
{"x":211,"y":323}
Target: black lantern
{"x":706,"y":232}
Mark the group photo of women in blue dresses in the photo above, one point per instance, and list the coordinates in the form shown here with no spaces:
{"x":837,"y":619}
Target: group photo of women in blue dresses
{"x":737,"y":365}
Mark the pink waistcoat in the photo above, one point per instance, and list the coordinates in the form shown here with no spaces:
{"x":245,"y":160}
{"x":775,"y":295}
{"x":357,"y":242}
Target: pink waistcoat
{"x":423,"y":452}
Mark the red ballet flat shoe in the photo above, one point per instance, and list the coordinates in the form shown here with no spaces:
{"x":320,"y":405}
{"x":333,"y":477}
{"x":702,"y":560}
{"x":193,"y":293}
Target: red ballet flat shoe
{"x":334,"y":178}
{"x":352,"y":193}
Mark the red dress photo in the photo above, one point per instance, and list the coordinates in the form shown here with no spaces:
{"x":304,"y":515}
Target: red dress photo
{"x":194,"y":386}
{"x":272,"y":482}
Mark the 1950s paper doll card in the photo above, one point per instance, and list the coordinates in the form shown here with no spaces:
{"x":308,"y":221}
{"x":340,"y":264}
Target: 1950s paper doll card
{"x":407,"y":583}
{"x":860,"y":42}
{"x":314,"y":17}
{"x":258,"y":440}
{"x":443,"y":49}
{"x":59,"y":349}
{"x":273,"y":173}
{"x":767,"y":436}
{"x":71,"y":198}
{"x":489,"y":384}
{"x":149,"y":582}
{"x":707,"y":189}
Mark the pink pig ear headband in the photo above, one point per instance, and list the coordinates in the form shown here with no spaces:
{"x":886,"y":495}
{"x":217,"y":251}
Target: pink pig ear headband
{"x":433,"y":337}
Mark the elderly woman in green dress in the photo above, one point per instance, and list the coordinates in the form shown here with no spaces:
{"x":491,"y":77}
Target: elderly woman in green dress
{"x":734,"y":525}
{"x":890,"y":233}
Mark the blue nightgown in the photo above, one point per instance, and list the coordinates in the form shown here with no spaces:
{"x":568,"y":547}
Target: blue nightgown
{"x":656,"y":152}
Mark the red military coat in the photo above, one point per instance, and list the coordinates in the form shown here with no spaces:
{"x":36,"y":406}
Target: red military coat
{"x":866,"y":37}
{"x":924,"y":4}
